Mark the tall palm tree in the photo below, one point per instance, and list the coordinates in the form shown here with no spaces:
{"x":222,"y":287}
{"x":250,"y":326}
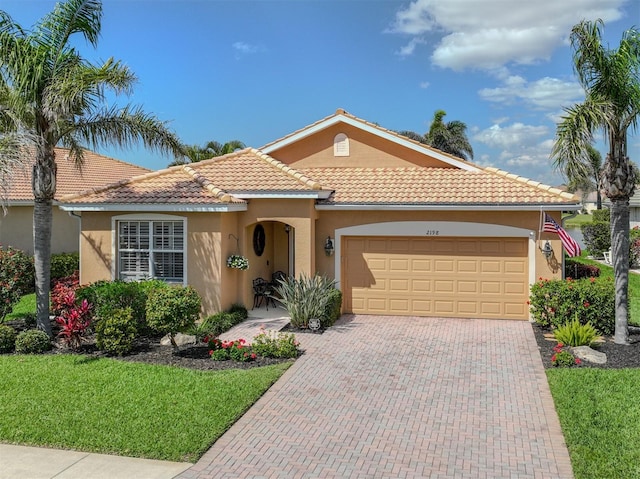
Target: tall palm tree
{"x":50,"y":95}
{"x":587,"y":179}
{"x":611,"y":80}
{"x":450,"y":137}
{"x":196,"y":153}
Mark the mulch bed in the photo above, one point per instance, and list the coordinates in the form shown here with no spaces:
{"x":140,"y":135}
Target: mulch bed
{"x":618,"y":355}
{"x":150,"y":351}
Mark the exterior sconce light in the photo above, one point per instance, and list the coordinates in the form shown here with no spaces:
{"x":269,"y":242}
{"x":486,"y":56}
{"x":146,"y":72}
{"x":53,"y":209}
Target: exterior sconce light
{"x":547,"y":250}
{"x":328,"y":246}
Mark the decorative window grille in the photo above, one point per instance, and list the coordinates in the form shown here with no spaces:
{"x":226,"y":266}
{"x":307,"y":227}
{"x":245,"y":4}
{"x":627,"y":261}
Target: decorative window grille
{"x":151,"y":249}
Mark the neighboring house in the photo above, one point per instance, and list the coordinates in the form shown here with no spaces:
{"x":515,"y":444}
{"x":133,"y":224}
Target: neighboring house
{"x":16,"y":227}
{"x":414,"y":231}
{"x":634,"y":208}
{"x":589,"y":200}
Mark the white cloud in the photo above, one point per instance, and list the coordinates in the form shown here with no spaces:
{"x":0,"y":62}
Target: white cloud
{"x":410,"y":47}
{"x":247,"y":48}
{"x":517,"y":134}
{"x":544,"y":94}
{"x":424,"y":84}
{"x":492,"y":33}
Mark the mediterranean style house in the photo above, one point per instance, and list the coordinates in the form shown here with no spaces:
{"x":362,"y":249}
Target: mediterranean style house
{"x":16,"y":226}
{"x":403,"y":228}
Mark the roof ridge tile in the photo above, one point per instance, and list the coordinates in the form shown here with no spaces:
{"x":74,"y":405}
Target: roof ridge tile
{"x":206,"y":184}
{"x":532,"y":183}
{"x":297,"y":174}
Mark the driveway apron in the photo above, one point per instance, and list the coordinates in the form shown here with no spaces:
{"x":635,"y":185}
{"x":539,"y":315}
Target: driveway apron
{"x":401,"y":397}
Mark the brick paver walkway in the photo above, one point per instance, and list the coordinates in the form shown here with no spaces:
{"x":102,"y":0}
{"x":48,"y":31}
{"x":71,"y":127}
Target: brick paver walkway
{"x":398,"y":397}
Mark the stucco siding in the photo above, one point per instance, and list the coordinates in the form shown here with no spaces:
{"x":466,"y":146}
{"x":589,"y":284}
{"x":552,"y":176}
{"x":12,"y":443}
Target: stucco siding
{"x":16,"y":229}
{"x":365,"y":150}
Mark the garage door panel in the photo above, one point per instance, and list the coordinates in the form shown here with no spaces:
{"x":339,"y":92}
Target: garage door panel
{"x":459,"y":277}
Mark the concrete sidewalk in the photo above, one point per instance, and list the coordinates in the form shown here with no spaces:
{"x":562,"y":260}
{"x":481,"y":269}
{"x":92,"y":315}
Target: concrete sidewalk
{"x":22,"y":462}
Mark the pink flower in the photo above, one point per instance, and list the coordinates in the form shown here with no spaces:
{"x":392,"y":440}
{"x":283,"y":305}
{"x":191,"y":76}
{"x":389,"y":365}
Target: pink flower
{"x":578,"y":361}
{"x":586,"y":304}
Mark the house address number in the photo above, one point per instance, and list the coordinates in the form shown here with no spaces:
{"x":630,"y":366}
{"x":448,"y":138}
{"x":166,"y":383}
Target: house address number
{"x":433,"y":233}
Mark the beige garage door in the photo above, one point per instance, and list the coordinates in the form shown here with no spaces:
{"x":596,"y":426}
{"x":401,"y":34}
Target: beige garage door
{"x":449,"y":277}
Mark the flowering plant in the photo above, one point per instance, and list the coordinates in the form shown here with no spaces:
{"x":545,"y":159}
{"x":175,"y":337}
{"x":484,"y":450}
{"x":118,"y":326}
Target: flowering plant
{"x":74,"y":320}
{"x":238,"y":350}
{"x":237,"y":261}
{"x":562,"y":358}
{"x":271,"y":344}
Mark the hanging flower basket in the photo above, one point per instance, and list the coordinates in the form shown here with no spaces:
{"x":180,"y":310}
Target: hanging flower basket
{"x":236,"y":261}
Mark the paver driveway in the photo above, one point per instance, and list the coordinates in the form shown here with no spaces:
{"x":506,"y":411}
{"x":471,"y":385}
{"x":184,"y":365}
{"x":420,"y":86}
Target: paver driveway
{"x":401,"y":397}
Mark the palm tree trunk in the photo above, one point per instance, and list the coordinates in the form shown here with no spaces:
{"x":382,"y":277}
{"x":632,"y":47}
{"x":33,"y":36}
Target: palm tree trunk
{"x":620,"y":258}
{"x":43,"y":183}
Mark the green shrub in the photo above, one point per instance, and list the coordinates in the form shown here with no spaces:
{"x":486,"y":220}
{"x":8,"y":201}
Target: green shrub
{"x":239,"y":310}
{"x":597,"y":237}
{"x":7,"y":338}
{"x":575,"y":270}
{"x":116,"y":333}
{"x":332,"y":308}
{"x":17,"y":266}
{"x":554,"y":302}
{"x":602,"y":215}
{"x":573,"y":333}
{"x":108,"y":296}
{"x":32,"y":341}
{"x":9,"y":297}
{"x":64,"y":265}
{"x":172,"y":310}
{"x":305,"y":297}
{"x":216,"y":324}
{"x":270,"y":344}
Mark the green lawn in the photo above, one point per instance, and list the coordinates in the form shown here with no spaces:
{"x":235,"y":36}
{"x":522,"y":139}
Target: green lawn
{"x":27,"y":304}
{"x":577,"y":220}
{"x":117,"y":407}
{"x":600,"y":416}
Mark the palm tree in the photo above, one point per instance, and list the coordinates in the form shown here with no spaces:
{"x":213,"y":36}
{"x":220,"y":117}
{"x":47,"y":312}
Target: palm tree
{"x":587,"y":179}
{"x":49,"y":96}
{"x":449,"y":137}
{"x":611,"y":82}
{"x":196,"y":153}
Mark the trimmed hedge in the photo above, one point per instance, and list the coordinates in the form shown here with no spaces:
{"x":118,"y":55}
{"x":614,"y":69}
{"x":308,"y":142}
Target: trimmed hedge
{"x":332,"y":308}
{"x":63,"y":265}
{"x":32,"y":341}
{"x":116,"y":333}
{"x":575,"y":270}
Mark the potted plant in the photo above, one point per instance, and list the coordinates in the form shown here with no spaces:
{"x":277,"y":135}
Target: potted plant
{"x":237,"y":261}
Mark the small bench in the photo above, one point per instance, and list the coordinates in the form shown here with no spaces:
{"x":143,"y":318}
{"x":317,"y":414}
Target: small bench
{"x":607,"y":257}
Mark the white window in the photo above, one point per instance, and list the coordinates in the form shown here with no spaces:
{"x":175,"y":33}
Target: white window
{"x":341,"y":145}
{"x":151,"y":249}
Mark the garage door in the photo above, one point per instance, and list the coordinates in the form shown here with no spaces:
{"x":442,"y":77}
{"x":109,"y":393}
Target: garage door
{"x":449,"y":277}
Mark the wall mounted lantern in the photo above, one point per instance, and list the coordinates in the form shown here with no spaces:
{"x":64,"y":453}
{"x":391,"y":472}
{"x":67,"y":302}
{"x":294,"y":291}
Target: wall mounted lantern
{"x":547,"y":250}
{"x":328,"y":246}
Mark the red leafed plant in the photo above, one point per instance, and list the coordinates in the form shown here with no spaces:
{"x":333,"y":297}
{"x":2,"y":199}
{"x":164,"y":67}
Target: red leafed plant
{"x":74,"y":319}
{"x":60,"y":293}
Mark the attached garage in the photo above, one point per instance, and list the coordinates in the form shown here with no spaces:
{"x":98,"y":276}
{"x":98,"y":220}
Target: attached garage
{"x":468,"y":277}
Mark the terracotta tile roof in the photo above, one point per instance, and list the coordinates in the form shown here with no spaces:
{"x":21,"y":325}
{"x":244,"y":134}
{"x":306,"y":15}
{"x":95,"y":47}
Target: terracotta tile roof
{"x":206,"y":182}
{"x":443,"y":186}
{"x":251,"y":170}
{"x":97,"y":170}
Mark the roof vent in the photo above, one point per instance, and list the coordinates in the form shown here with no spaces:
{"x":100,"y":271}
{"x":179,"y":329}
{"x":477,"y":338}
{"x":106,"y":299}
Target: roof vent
{"x":341,"y":145}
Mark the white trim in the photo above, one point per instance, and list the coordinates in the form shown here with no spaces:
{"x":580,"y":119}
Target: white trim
{"x":154,"y":208}
{"x":436,"y":207}
{"x":316,"y":194}
{"x":148,"y":217}
{"x":370,"y":129}
{"x":435,"y":229}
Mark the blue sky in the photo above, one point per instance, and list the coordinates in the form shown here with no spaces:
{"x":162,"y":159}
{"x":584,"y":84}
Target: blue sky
{"x":258,"y":70}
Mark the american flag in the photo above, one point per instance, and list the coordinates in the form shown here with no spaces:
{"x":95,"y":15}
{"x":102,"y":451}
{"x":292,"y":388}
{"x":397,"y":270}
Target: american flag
{"x":570,"y":245}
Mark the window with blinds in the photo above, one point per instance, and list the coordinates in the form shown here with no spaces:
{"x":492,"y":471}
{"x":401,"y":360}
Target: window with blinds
{"x":151,"y":249}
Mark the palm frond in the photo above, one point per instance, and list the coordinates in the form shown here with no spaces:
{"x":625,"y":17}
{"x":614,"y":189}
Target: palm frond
{"x":66,"y":19}
{"x":124,"y":128}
